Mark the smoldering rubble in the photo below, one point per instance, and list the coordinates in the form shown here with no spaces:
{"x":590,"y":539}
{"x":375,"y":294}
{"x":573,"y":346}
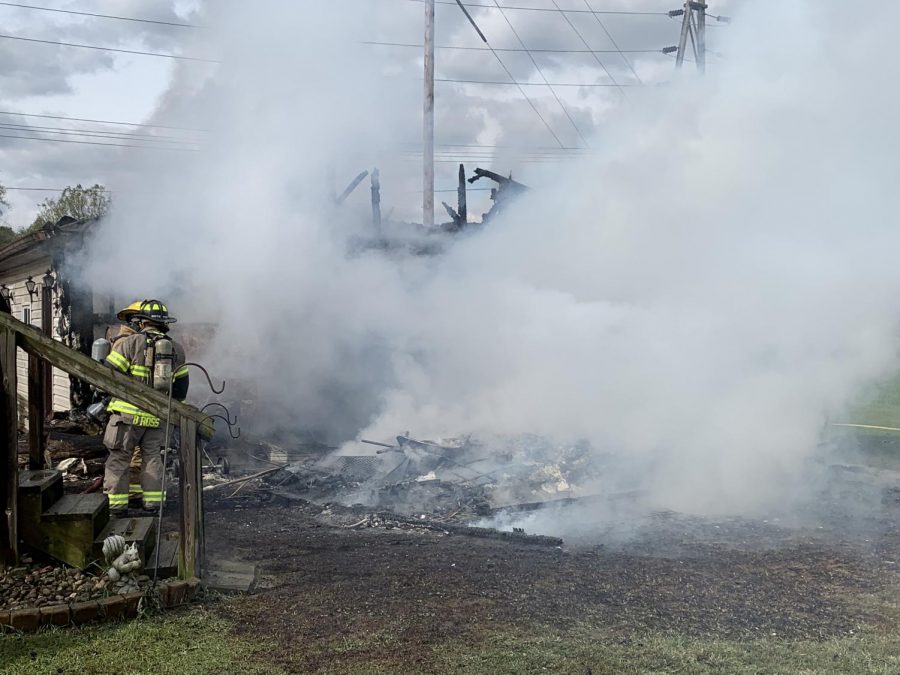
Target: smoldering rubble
{"x":464,"y":480}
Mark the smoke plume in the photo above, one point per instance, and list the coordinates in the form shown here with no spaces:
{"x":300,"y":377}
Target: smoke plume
{"x":695,"y":295}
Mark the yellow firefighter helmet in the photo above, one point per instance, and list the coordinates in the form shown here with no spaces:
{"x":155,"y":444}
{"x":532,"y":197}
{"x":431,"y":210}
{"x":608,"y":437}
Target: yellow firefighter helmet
{"x":128,"y":313}
{"x":156,"y":311}
{"x":150,"y":310}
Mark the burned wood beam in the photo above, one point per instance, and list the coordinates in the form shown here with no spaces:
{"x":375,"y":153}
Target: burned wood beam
{"x":497,"y":178}
{"x":470,"y":531}
{"x":376,"y":200}
{"x":383,"y":445}
{"x":454,"y":216}
{"x":461,"y":205}
{"x":350,"y":188}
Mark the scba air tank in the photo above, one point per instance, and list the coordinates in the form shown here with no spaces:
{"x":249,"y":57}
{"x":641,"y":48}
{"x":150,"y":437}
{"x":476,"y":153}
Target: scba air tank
{"x":100,"y":350}
{"x":163,"y":362}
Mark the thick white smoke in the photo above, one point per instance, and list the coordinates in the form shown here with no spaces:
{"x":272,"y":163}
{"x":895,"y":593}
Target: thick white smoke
{"x":696,"y":296}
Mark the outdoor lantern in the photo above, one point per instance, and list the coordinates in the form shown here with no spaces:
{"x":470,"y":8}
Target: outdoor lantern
{"x":29,"y":286}
{"x":5,"y":292}
{"x":49,"y":280}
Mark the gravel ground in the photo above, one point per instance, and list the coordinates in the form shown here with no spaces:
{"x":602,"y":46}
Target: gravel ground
{"x":38,"y":584}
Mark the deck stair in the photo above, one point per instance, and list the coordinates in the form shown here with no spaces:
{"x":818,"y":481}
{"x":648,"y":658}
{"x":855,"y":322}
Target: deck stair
{"x":168,"y":557}
{"x":39,"y":513}
{"x":139,"y":531}
{"x":38,"y":491}
{"x":71,"y":527}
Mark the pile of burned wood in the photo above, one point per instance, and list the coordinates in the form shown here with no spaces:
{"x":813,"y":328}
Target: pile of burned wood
{"x":460,"y":479}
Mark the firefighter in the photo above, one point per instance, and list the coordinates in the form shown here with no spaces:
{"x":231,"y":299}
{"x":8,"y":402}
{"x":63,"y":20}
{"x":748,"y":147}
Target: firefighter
{"x":155,"y":359}
{"x":127,"y":328}
{"x":129,"y":325}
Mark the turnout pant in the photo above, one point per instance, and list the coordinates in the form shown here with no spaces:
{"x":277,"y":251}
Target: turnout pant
{"x":121,"y":439}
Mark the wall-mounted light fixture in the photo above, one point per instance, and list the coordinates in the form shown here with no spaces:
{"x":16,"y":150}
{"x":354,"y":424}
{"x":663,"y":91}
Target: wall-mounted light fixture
{"x":6,"y":293}
{"x":49,"y":280}
{"x":30,"y":286}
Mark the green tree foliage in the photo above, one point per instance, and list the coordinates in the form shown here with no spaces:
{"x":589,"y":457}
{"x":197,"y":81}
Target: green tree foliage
{"x":7,"y":234}
{"x":78,"y":202}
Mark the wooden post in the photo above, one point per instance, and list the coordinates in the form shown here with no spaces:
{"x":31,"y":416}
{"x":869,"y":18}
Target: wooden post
{"x":376,"y":201}
{"x":200,"y":516}
{"x":47,"y":329}
{"x":9,"y":441}
{"x":37,"y":412}
{"x":701,"y":37}
{"x":685,"y":33}
{"x":462,"y":207}
{"x":428,"y":125}
{"x":40,"y":391}
{"x":190,"y":493}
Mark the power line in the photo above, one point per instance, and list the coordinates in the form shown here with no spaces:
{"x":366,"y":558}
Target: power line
{"x":164,"y":145}
{"x":541,"y":73}
{"x":488,"y":154}
{"x":468,"y":189}
{"x":536,"y":84}
{"x":547,"y":9}
{"x":111,"y":145}
{"x":517,"y":49}
{"x":550,"y":160}
{"x":96,"y":134}
{"x":509,"y":74}
{"x":35,"y":189}
{"x":582,"y":38}
{"x":108,"y":49}
{"x":611,"y":39}
{"x":99,"y":16}
{"x":475,"y":159}
{"x":83,"y":119}
{"x":510,"y":147}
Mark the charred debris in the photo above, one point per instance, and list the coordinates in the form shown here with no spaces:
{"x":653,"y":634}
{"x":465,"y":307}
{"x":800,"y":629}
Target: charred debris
{"x":457,"y":486}
{"x":414,"y":238}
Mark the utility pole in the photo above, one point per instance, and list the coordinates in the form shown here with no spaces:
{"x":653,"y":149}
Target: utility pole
{"x":693,"y":27}
{"x":428,"y":121}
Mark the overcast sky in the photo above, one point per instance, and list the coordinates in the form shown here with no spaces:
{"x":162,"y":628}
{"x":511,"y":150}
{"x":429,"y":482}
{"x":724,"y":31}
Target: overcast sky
{"x":41,"y":79}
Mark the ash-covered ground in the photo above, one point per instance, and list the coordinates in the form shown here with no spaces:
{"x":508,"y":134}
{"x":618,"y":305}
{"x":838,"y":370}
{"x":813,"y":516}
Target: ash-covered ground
{"x":341,"y":552}
{"x":419,"y":574}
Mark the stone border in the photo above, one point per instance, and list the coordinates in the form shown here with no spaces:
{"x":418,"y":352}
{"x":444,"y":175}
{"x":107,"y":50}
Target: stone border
{"x":111,"y":608}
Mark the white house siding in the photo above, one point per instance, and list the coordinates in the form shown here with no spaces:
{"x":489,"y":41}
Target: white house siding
{"x":20,"y":301}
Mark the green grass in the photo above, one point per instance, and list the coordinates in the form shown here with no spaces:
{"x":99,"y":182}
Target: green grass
{"x":586,"y":653}
{"x":596,"y":652}
{"x":195,"y":642}
{"x":880,"y":405}
{"x":189,"y":641}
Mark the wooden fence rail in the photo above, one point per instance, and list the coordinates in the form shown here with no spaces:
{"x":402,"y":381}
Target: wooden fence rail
{"x":43,"y":350}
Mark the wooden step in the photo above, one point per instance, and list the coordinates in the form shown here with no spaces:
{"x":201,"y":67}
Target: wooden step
{"x":70,"y":526}
{"x":45,"y":482}
{"x":168,"y":557}
{"x":93,"y":507}
{"x":38,"y":490}
{"x":139,"y":530}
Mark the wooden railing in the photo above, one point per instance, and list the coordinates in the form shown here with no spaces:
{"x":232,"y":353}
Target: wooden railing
{"x":43,"y":350}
